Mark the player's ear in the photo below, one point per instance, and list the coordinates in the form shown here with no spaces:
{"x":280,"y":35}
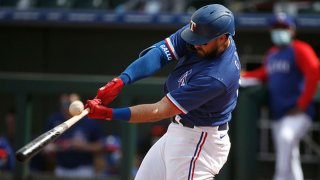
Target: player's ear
{"x":223,"y":38}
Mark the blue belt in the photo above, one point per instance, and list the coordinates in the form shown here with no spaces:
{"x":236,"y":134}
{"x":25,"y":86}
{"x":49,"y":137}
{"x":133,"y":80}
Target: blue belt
{"x":189,"y":124}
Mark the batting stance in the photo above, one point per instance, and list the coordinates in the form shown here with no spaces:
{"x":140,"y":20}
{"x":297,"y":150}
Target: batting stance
{"x":291,"y":68}
{"x":200,"y":92}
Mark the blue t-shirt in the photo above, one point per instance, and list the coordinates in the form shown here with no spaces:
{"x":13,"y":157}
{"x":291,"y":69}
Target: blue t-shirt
{"x":86,"y":129}
{"x":205,"y":90}
{"x":6,"y":155}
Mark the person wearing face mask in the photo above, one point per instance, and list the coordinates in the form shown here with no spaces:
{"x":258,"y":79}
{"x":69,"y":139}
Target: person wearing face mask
{"x":291,"y":70}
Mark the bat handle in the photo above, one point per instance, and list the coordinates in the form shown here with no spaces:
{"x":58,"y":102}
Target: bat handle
{"x":76,"y":118}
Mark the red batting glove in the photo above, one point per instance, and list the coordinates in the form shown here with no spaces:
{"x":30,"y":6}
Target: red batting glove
{"x":98,"y":111}
{"x":110,"y":91}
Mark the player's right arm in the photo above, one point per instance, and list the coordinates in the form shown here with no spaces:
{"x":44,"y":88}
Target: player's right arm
{"x":144,"y":66}
{"x":155,"y":57}
{"x":150,"y":61}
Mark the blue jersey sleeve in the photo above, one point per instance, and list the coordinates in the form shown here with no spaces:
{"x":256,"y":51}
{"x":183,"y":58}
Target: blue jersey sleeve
{"x":196,"y":93}
{"x":144,"y":66}
{"x":155,"y":57}
{"x":173,"y":47}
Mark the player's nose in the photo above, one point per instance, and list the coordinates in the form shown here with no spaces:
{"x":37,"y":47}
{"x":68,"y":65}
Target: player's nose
{"x":197,"y":46}
{"x":200,"y":45}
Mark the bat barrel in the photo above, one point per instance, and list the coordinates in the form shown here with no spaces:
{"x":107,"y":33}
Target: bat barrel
{"x":35,"y":146}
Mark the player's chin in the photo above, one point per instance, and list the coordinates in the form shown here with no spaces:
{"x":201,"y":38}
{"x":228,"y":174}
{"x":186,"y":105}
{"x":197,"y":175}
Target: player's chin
{"x":201,"y":54}
{"x":205,"y":55}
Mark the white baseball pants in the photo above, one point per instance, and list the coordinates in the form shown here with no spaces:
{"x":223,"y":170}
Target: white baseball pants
{"x":186,"y":154}
{"x":287,"y":133}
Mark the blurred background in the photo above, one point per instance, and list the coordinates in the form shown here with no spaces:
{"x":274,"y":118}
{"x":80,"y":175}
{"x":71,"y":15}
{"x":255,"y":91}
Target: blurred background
{"x":52,"y":47}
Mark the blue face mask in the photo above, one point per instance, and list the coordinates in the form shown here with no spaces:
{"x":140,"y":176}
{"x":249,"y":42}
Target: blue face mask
{"x":281,"y":37}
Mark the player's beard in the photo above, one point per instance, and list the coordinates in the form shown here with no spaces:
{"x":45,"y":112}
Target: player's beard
{"x":209,"y":54}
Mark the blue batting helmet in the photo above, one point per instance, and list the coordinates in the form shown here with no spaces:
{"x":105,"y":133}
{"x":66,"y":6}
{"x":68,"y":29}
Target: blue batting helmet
{"x":207,"y":23}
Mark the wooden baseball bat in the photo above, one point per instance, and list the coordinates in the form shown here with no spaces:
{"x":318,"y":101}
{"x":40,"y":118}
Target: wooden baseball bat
{"x":36,"y":145}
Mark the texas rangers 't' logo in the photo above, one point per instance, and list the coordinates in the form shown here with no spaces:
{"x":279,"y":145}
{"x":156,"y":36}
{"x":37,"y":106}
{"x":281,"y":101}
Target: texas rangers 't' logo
{"x":183,"y":79}
{"x":193,"y":26}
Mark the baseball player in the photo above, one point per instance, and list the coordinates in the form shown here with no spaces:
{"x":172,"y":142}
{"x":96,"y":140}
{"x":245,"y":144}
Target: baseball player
{"x":200,"y":92}
{"x":291,"y":68}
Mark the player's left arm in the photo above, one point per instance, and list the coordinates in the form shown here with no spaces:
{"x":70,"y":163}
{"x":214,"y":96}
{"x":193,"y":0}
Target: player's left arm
{"x":153,"y":112}
{"x":308,"y":63}
{"x":178,"y":101}
{"x":140,"y":113}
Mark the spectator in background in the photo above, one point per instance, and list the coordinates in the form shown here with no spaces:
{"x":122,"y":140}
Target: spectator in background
{"x":7,"y":158}
{"x":291,"y":69}
{"x":6,"y":155}
{"x":10,"y":124}
{"x":112,"y":147}
{"x":76,"y":149}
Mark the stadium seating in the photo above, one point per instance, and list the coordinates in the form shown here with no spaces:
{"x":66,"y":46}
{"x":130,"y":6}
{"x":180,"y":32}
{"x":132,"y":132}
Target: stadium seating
{"x":90,"y":4}
{"x":73,"y":4}
{"x":54,"y":3}
{"x":8,"y":3}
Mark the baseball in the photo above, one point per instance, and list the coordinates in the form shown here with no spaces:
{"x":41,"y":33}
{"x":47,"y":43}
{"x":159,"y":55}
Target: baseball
{"x":76,"y":107}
